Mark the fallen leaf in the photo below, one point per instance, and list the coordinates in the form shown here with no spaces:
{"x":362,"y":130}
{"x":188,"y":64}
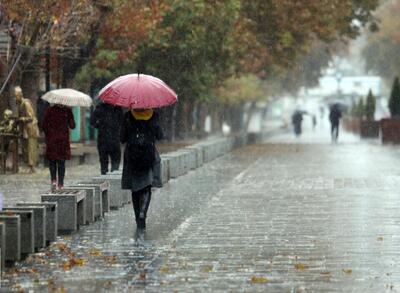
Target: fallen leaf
{"x":79,"y":261}
{"x":66,"y":265}
{"x":300,"y":267}
{"x":110,"y":259}
{"x":347,"y":271}
{"x":208,"y":269}
{"x":164,"y":270}
{"x":258,"y":280}
{"x":325,"y":273}
{"x":95,"y":252}
{"x":380,"y":238}
{"x":142,"y":276}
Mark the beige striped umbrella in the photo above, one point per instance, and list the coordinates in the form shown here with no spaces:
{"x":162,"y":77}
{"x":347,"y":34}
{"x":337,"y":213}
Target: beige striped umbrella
{"x":68,"y":97}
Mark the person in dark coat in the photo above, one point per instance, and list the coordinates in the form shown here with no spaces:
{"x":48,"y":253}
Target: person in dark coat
{"x":57,"y":121}
{"x":107,"y":119}
{"x":139,"y":174}
{"x":297,"y":119}
{"x":334,"y":116}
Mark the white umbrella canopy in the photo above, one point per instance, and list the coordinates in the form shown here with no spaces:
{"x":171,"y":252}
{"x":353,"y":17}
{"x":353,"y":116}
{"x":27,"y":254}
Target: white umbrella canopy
{"x":68,"y":97}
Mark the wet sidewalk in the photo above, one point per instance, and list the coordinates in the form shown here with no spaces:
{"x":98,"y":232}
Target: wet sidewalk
{"x":289,"y":215}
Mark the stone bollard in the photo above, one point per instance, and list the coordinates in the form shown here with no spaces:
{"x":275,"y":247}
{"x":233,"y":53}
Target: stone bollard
{"x":2,"y":247}
{"x":102,"y":190}
{"x":198,"y":153}
{"x":12,"y":236}
{"x":71,"y":208}
{"x":165,"y":169}
{"x":39,"y":216}
{"x":115,"y":193}
{"x":51,"y":218}
{"x":27,"y":228}
{"x":176,"y":164}
{"x":94,"y":203}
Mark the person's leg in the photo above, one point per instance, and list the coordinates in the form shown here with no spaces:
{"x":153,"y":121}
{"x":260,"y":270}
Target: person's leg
{"x":337,"y":131}
{"x":53,"y":174}
{"x":32,"y":153}
{"x":115,"y":155}
{"x":61,"y":173}
{"x":136,"y":204}
{"x":103,"y":156}
{"x":145,"y":199}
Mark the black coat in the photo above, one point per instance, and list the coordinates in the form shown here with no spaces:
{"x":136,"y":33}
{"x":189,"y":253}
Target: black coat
{"x":130,"y":179}
{"x":107,"y":119}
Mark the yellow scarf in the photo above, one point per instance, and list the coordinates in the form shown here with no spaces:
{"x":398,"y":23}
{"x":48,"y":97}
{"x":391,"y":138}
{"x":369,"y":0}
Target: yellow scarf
{"x":142,"y":115}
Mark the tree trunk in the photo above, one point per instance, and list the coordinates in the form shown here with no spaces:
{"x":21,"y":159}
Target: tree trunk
{"x":250,"y":112}
{"x":30,"y":78}
{"x":216,"y":119}
{"x":201,"y":114}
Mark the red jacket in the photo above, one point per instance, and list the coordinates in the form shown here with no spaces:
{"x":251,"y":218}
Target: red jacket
{"x":56,"y":124}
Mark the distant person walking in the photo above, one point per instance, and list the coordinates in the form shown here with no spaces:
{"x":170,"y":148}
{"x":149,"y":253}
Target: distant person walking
{"x":297,"y":119}
{"x":334,"y":116}
{"x":57,"y":122}
{"x":141,"y":169}
{"x":314,"y":121}
{"x":107,"y":119}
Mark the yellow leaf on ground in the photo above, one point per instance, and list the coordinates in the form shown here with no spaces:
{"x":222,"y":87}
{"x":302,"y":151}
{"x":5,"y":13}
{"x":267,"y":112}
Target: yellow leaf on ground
{"x":208,"y":269}
{"x":347,"y":271}
{"x":111,"y":259}
{"x":258,"y":280}
{"x":380,"y":238}
{"x":300,"y":267}
{"x":95,"y":252}
{"x":164,"y":270}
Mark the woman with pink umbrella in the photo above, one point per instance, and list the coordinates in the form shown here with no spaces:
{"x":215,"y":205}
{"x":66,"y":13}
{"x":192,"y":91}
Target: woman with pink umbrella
{"x":139,"y":131}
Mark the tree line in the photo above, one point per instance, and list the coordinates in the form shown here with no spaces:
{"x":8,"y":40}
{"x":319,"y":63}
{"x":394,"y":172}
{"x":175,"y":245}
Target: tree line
{"x":218,"y":55}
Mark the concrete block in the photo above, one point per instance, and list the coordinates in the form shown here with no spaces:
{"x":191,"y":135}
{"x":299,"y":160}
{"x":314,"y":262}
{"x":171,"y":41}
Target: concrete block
{"x":165,"y":169}
{"x":173,"y":164}
{"x":2,"y":247}
{"x":102,"y":189}
{"x":198,"y":150}
{"x":115,"y":193}
{"x":12,"y":236}
{"x":39,"y":215}
{"x":71,"y":208}
{"x":27,"y":228}
{"x":94,"y":203}
{"x":51,"y":218}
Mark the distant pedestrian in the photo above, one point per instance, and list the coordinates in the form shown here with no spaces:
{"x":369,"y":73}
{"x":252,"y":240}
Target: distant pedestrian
{"x":57,"y":122}
{"x":334,"y":116}
{"x":314,"y":121}
{"x":141,"y":168}
{"x":30,"y":130}
{"x":297,"y":119}
{"x":107,"y":119}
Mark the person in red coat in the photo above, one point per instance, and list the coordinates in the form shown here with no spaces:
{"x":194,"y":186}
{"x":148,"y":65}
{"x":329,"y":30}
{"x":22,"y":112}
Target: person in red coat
{"x":57,"y":121}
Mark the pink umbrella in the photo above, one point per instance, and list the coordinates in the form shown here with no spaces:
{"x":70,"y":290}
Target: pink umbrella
{"x":138,"y":91}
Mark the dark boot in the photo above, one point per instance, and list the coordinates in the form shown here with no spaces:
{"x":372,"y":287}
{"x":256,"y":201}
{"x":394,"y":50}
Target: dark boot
{"x":145,"y":199}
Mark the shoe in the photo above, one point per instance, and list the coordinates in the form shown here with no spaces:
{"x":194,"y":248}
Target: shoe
{"x":60,"y":187}
{"x":53,"y":186}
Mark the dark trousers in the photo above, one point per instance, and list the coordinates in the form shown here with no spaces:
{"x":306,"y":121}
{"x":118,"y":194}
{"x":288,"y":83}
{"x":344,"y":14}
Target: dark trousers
{"x":107,"y":152}
{"x":141,"y":202}
{"x":57,"y":166}
{"x":334,"y":131}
